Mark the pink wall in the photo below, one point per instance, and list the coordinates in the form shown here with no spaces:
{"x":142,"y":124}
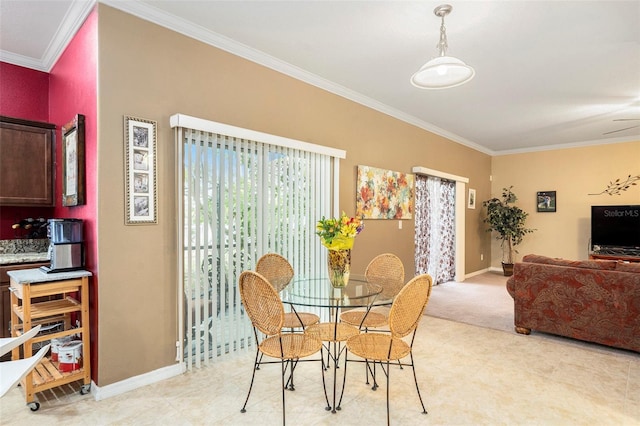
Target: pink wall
{"x":69,"y":89}
{"x":73,"y":90}
{"x":24,"y":93}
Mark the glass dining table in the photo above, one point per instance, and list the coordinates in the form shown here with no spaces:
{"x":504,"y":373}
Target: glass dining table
{"x":319,"y":296}
{"x":319,"y":293}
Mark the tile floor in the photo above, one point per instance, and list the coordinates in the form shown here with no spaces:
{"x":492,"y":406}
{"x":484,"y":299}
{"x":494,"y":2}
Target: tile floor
{"x":468,"y":375}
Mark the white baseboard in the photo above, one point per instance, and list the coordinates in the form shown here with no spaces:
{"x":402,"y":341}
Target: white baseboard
{"x":473,"y":274}
{"x":104,"y":392}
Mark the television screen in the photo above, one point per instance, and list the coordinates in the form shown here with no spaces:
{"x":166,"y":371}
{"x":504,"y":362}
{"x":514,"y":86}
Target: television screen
{"x":615,"y":226}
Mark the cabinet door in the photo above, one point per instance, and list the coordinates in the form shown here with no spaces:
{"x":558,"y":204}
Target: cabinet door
{"x":5,"y":306}
{"x":27,"y":166}
{"x":5,"y":299}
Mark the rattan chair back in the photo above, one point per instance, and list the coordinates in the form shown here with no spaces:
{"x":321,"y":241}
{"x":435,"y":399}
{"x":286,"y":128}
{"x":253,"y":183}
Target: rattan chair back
{"x":387,"y":271}
{"x":261,"y":303}
{"x":409,"y":305}
{"x":279,"y":273}
{"x":276,"y":269}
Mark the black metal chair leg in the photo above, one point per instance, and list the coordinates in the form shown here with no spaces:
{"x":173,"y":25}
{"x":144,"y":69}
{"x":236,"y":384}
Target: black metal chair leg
{"x":290,"y":384}
{"x":284,"y":371}
{"x":328,"y":359}
{"x":388,"y":374}
{"x":324,"y":385}
{"x":366,"y":361}
{"x":373,"y":375}
{"x":253,"y":375}
{"x":366,"y":370}
{"x":415,"y":379}
{"x":344,"y":378}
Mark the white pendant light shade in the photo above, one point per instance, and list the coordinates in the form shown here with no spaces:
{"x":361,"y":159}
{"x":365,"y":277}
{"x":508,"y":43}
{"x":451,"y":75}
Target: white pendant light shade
{"x":442,"y":72}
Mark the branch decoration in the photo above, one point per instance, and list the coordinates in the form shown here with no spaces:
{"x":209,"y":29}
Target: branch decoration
{"x":617,"y":186}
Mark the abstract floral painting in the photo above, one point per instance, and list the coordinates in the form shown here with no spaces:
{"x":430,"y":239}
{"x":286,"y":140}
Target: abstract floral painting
{"x":384,"y":194}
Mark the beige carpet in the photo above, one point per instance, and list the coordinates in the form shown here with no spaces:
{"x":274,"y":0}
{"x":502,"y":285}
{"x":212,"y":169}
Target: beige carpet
{"x":482,"y":300}
{"x":468,"y":376}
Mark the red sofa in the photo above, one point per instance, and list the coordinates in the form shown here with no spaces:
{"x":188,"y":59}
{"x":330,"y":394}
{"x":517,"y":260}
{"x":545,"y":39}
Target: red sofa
{"x":592,"y":300}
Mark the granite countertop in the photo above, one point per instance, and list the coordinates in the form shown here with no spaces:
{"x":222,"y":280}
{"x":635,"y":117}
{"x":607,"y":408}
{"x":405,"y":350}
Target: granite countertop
{"x":11,"y":258}
{"x":33,"y":276}
{"x":24,"y":251}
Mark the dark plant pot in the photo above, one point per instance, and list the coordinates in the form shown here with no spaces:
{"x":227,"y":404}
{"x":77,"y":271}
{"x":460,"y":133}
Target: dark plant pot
{"x":507,"y":268}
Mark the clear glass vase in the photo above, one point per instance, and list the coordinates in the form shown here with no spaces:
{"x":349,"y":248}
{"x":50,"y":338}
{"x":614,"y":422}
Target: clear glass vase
{"x":339,"y":264}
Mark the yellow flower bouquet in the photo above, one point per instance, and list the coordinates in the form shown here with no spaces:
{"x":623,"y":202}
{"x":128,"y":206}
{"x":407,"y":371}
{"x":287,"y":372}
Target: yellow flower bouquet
{"x":338,"y":235}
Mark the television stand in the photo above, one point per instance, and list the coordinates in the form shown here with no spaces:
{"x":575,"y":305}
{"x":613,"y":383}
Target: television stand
{"x":615,"y":257}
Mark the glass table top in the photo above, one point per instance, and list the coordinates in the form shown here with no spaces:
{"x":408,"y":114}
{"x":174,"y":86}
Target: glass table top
{"x":319,"y":292}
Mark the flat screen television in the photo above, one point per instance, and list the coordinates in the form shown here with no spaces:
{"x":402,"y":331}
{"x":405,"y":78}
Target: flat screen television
{"x":615,"y":226}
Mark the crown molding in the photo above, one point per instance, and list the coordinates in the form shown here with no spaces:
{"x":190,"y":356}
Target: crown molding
{"x":595,"y":142}
{"x":22,"y":61}
{"x":80,"y":9}
{"x":71,"y":23}
{"x":73,"y":20}
{"x":149,"y":13}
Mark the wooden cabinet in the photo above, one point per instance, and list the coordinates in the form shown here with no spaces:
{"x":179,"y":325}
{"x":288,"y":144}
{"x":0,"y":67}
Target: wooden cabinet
{"x":4,"y":294}
{"x":27,"y":163}
{"x":70,"y":292}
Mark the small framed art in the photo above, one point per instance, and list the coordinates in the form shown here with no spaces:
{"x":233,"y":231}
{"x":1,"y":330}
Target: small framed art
{"x":140,"y":171}
{"x":546,"y":201}
{"x":73,"y":166}
{"x":471,"y":202}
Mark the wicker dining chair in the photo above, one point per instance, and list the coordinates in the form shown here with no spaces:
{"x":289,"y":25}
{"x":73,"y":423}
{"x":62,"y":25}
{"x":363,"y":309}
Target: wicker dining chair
{"x":387,"y":271}
{"x":405,"y":315}
{"x":265,"y":310}
{"x":334,"y":334}
{"x":279,"y":272}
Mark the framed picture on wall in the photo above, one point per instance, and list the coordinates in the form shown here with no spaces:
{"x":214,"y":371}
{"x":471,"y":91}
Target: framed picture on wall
{"x":140,"y":171}
{"x":471,"y":202}
{"x":384,"y":194}
{"x":546,"y":201}
{"x":73,"y":166}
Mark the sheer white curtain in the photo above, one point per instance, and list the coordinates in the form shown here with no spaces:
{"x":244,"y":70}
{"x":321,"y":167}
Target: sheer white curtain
{"x":435,"y":228}
{"x":242,"y":194}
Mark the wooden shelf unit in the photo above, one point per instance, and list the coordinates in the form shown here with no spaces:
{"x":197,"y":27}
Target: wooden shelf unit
{"x":25,"y":315}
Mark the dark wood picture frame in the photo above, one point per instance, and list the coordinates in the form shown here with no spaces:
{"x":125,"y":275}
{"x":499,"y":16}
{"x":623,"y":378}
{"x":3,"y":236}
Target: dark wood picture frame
{"x":73,"y":162}
{"x":546,"y":201}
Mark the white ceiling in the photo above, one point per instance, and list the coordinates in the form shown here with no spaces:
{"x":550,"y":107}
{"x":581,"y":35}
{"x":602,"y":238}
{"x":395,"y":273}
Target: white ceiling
{"x":549,"y":74}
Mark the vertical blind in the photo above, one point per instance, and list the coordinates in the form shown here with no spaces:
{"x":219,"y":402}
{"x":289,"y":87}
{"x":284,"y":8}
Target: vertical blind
{"x":242,"y":194}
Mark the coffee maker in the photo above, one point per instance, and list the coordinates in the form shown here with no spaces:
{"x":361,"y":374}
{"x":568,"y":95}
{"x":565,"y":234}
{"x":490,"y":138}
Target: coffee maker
{"x":65,"y":248}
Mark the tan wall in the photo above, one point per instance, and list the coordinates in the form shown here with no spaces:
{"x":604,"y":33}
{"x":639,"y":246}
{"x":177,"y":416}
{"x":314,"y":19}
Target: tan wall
{"x":573,"y":173}
{"x":150,"y":72}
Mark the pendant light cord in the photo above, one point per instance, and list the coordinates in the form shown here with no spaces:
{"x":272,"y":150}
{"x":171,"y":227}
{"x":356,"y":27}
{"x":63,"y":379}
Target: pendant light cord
{"x":442,"y":44}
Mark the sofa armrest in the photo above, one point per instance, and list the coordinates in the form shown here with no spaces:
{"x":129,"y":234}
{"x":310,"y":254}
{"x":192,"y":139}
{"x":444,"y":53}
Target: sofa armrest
{"x":511,"y":286}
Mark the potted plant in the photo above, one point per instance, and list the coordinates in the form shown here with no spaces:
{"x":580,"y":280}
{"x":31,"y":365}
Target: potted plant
{"x":507,"y":220}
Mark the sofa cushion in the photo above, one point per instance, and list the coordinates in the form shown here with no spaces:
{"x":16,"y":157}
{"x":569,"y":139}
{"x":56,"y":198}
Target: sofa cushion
{"x":588,"y":264}
{"x":628,"y":266}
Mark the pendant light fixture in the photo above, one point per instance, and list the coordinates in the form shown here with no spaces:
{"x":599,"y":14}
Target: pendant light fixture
{"x":444,"y":71}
